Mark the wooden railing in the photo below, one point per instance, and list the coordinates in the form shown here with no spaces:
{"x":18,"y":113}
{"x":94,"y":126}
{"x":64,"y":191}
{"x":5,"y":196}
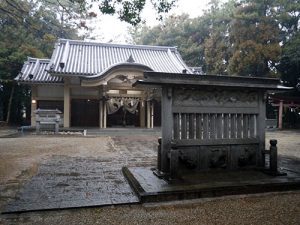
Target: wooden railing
{"x":225,"y":127}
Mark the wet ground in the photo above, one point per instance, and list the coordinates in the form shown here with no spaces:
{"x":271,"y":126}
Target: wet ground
{"x":65,"y":172}
{"x":56,"y":166}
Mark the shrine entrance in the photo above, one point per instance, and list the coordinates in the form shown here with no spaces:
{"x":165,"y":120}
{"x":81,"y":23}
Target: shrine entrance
{"x":120,"y":103}
{"x":123,"y":112}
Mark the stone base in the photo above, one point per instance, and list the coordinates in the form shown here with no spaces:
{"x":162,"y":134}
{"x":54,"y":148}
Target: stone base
{"x":150,"y":188}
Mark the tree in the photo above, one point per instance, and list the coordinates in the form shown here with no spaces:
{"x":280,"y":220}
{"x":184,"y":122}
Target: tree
{"x":288,"y":16}
{"x":130,"y":10}
{"x":217,"y":45}
{"x":33,"y":35}
{"x":287,"y":13}
{"x":202,"y":41}
{"x":290,"y":62}
{"x":181,"y":31}
{"x":255,"y":38}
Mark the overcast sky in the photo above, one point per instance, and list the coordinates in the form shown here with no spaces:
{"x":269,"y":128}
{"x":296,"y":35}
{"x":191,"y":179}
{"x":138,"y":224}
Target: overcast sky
{"x":110,"y":29}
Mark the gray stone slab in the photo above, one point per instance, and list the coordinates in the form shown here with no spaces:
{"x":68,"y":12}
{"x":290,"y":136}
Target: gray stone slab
{"x":68,"y":182}
{"x":150,"y":188}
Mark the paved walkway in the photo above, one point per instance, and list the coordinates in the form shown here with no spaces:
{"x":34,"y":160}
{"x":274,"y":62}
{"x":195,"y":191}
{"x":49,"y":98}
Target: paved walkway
{"x":85,"y":179}
{"x":69,"y":182}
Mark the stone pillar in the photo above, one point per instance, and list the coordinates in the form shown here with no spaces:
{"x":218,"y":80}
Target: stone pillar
{"x":148,"y":114}
{"x":66,"y":105}
{"x":280,"y":112}
{"x":100,"y":114}
{"x":33,"y":104}
{"x":142,"y":113}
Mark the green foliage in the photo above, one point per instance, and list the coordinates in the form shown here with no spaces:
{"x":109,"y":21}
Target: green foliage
{"x":237,"y":37}
{"x":255,"y":38}
{"x":128,"y":10}
{"x":290,"y":61}
{"x":217,"y":45}
{"x":27,"y":29}
{"x":181,"y":31}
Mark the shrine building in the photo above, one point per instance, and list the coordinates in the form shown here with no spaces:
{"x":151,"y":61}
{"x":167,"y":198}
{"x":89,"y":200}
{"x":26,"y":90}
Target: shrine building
{"x":91,"y":83}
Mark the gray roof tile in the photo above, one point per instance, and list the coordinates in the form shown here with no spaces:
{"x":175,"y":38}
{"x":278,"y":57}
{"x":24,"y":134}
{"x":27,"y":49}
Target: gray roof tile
{"x":90,"y":59}
{"x":34,"y":71}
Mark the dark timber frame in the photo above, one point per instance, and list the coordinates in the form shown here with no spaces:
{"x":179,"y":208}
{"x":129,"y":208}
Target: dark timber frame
{"x":211,"y":122}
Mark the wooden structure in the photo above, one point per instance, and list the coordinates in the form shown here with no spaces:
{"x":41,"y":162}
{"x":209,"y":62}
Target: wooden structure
{"x":287,"y":103}
{"x":91,"y":83}
{"x":47,"y":119}
{"x":210,"y":122}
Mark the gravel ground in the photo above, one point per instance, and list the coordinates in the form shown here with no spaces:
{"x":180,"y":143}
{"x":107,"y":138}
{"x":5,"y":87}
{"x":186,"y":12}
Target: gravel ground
{"x":20,"y":159}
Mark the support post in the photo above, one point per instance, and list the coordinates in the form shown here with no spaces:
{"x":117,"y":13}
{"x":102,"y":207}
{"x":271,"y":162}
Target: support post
{"x":167,"y":127}
{"x":152,"y":116}
{"x":33,"y":105}
{"x":261,"y":125}
{"x":280,"y":114}
{"x":148,"y":114}
{"x":100,"y":114}
{"x":159,"y":155}
{"x":66,"y":105}
{"x":273,"y":156}
{"x":142,"y":113}
{"x":104,"y":114}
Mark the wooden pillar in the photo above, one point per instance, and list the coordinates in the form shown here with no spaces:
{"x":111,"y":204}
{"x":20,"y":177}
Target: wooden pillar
{"x":100,"y":114}
{"x":152,"y":115}
{"x":104,"y":114}
{"x":148,"y":114}
{"x":280,"y":112}
{"x":66,"y":105}
{"x":33,"y":105}
{"x":261,"y":125}
{"x":167,"y":127}
{"x":142,"y":113}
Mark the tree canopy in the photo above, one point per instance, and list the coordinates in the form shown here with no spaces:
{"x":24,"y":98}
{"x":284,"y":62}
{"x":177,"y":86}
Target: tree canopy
{"x":27,"y":29}
{"x":238,"y":37}
{"x":128,"y":10}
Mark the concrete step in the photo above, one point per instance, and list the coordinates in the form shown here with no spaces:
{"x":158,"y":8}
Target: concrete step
{"x":124,"y":131}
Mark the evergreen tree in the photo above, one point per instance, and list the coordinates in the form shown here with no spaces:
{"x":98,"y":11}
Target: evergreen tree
{"x":255,"y":38}
{"x":27,"y":29}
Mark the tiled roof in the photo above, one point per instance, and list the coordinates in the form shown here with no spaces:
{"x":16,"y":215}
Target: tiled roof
{"x":90,"y":59}
{"x":34,"y":71}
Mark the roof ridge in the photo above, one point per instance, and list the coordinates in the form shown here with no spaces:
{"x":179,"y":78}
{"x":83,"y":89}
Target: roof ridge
{"x":40,"y":59}
{"x":153,"y":47}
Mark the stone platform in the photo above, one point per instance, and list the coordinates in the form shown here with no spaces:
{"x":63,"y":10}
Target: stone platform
{"x":150,"y":188}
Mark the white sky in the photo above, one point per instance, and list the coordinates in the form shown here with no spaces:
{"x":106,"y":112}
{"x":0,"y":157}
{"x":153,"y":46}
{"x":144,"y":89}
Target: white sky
{"x":110,"y":29}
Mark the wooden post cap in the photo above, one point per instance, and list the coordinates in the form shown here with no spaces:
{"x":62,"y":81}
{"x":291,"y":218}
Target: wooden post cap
{"x":273,"y":142}
{"x":159,"y":140}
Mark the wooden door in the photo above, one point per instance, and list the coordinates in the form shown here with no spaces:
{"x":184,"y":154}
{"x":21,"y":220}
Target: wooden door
{"x":84,"y":113}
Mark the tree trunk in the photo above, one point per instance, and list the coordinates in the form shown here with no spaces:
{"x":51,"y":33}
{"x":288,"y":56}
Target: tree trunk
{"x":9,"y":103}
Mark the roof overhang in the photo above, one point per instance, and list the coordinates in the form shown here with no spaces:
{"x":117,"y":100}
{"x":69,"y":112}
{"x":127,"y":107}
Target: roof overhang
{"x":103,"y":77}
{"x":119,"y":66}
{"x":191,"y":80}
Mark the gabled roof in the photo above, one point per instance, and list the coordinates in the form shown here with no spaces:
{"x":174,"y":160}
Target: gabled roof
{"x":34,"y":71}
{"x":91,"y":60}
